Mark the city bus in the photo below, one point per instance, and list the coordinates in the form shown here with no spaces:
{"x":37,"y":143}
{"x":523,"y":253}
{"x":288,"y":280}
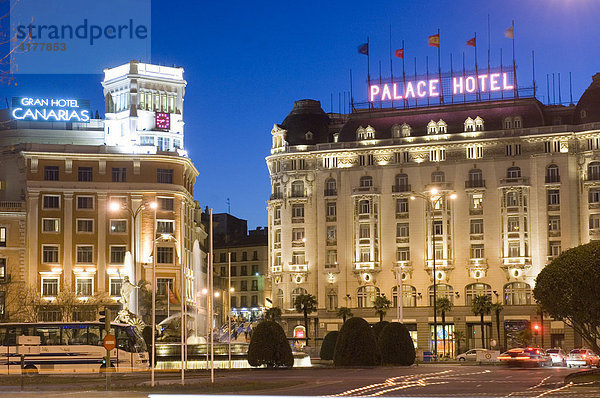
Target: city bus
{"x":69,"y":347}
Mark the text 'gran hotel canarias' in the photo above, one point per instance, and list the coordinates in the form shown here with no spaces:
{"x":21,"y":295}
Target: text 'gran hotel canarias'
{"x":51,"y":109}
{"x":431,"y":88}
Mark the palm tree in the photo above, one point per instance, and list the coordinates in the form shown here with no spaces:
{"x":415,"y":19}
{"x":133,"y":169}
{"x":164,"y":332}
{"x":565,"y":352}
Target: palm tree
{"x":443,"y":305}
{"x":482,"y":305}
{"x":458,"y":337}
{"x":381,"y":305}
{"x":344,"y":313}
{"x":306,"y":304}
{"x":497,"y":309}
{"x":273,"y":314}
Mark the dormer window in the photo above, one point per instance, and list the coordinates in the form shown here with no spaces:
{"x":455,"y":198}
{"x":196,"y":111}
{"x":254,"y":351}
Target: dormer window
{"x":583,"y":114}
{"x":360,"y":133}
{"x":396,"y":131}
{"x":308,"y":136}
{"x":370,"y":133}
{"x":442,"y":127}
{"x":478,"y":124}
{"x":517,"y":122}
{"x":432,"y":127}
{"x":367,"y":133}
{"x":507,"y":123}
{"x":405,"y":130}
{"x":469,"y":124}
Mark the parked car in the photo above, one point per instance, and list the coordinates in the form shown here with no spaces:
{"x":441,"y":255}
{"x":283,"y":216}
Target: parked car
{"x":558,"y":357}
{"x":583,"y":357}
{"x":526,"y":357}
{"x":470,"y":355}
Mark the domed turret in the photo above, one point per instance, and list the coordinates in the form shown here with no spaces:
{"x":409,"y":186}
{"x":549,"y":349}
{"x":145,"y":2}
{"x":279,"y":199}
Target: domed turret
{"x":588,"y":107}
{"x":306,"y":124}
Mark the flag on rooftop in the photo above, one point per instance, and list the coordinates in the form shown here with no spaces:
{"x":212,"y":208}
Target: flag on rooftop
{"x":434,"y":40}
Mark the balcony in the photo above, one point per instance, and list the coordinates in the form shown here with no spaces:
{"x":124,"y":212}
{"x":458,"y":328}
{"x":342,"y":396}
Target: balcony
{"x":298,"y":243}
{"x":333,"y":267}
{"x":476,"y":237}
{"x":553,"y":207}
{"x":470,"y":184}
{"x":552,"y":179}
{"x":331,"y":242}
{"x":441,"y":264}
{"x":440,"y":186}
{"x":515,"y":261}
{"x":330,"y":218}
{"x":298,"y":195}
{"x":276,"y":269}
{"x":401,"y":188}
{"x":298,"y":267}
{"x":478,"y":262}
{"x":402,"y":265}
{"x":553,"y":234}
{"x":12,"y":206}
{"x":297,"y":220}
{"x":276,"y":196}
{"x":365,"y":190}
{"x":366,"y":265}
{"x":402,"y":215}
{"x":514,"y":182}
{"x":476,"y":212}
{"x":330,"y":192}
{"x":277,"y":245}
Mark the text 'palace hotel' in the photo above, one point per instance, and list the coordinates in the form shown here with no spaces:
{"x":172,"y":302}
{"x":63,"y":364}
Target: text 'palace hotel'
{"x":486,"y":186}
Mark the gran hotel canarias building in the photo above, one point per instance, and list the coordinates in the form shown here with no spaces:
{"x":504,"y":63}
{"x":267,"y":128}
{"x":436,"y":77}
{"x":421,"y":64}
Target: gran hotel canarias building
{"x":342,"y":225}
{"x":71,"y":185}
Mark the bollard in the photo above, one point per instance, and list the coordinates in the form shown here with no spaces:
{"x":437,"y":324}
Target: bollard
{"x":22,"y":369}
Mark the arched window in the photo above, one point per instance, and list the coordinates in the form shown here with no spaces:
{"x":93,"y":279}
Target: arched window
{"x":332,"y":300}
{"x":366,"y":295}
{"x":432,"y":127}
{"x":478,"y":124}
{"x":442,"y":127}
{"x":517,"y":293}
{"x":517,"y":122}
{"x":370,"y":133}
{"x":297,"y":189}
{"x":401,"y":182}
{"x":469,"y":124}
{"x":442,"y":290}
{"x":279,"y":299}
{"x":552,"y":174}
{"x":364,"y":207}
{"x":594,"y":171}
{"x":366,"y":181}
{"x":508,"y":123}
{"x":330,"y":187}
{"x":477,"y":289}
{"x":360,"y":133}
{"x":396,"y":131}
{"x":409,"y":296}
{"x":297,"y":292}
{"x":475,"y":178}
{"x":513,"y":172}
{"x":405,"y":130}
{"x":438,"y":176}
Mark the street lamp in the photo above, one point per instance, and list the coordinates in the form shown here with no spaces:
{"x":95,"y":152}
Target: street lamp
{"x":433,"y":198}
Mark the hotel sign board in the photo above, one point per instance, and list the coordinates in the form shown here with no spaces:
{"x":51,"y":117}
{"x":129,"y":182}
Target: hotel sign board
{"x":435,"y":87}
{"x":36,"y":109}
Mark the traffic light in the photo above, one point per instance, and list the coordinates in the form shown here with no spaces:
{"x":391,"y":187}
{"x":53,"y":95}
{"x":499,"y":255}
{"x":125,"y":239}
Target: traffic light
{"x":536,"y":329}
{"x":105,"y":317}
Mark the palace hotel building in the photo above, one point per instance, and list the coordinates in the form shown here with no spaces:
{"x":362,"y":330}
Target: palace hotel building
{"x":83,"y":205}
{"x":494,"y":189}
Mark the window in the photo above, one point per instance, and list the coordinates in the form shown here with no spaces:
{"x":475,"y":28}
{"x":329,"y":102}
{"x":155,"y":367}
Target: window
{"x":512,"y":199}
{"x":401,"y":182}
{"x":49,"y":254}
{"x":51,"y":201}
{"x":117,"y":254}
{"x":330,"y":187}
{"x":85,"y":202}
{"x":85,"y":225}
{"x":298,"y":211}
{"x":49,"y":225}
{"x":517,"y":293}
{"x":3,"y":274}
{"x":553,"y":196}
{"x":233,"y":256}
{"x":438,"y":227}
{"x":297,"y":292}
{"x":402,"y":230}
{"x":476,"y":289}
{"x":438,"y":176}
{"x":83,"y":287}
{"x":164,"y":255}
{"x":51,"y":173}
{"x":233,"y":270}
{"x":167,"y":204}
{"x":517,"y":122}
{"x":442,"y":290}
{"x":244,"y":270}
{"x":49,"y":287}
{"x":477,"y":226}
{"x":475,"y":179}
{"x":553,"y":223}
{"x":164,"y":176}
{"x":85,"y":254}
{"x":513,"y":172}
{"x":477,"y":251}
{"x":85,"y":174}
{"x":297,"y":189}
{"x":119,"y":174}
{"x":554,"y":248}
{"x":513,"y":224}
{"x":366,"y":295}
{"x":409,"y":296}
{"x":254,"y":287}
{"x":365,"y":254}
{"x":165,"y":226}
{"x":594,"y":171}
{"x":162,"y":284}
{"x":403,"y":253}
{"x":366,"y":182}
{"x":244,"y":256}
{"x":115,"y":286}
{"x":552,"y":174}
{"x":594,"y":195}
{"x":331,"y":233}
{"x":364,"y":207}
{"x":514,"y":249}
{"x":331,"y":209}
{"x":255,"y":255}
{"x":332,"y":300}
{"x":594,"y":221}
{"x":277,"y":236}
{"x":244,"y":301}
{"x":254,"y":270}
{"x":331,"y":258}
{"x":244,"y":285}
{"x":298,"y":234}
{"x":298,"y":258}
{"x":402,"y":205}
{"x":437,"y":155}
{"x":254,"y":301}
{"x":277,"y":213}
{"x":364,"y":231}
{"x":118,"y":226}
{"x":234,"y":302}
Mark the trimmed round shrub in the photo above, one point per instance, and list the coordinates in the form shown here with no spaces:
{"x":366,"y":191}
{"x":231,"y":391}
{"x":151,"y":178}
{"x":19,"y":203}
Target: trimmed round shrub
{"x":396,"y":346}
{"x":378,"y":327}
{"x":355,"y":344}
{"x":269,"y":346}
{"x":328,"y":345}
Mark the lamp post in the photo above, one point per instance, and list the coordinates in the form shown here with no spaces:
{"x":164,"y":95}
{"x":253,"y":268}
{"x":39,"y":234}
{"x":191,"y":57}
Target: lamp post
{"x":153,"y":206}
{"x":229,"y":309}
{"x":399,"y":297}
{"x":433,"y":198}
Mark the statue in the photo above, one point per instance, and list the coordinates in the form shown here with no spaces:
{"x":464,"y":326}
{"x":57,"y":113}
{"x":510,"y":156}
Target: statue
{"x":126,"y":289}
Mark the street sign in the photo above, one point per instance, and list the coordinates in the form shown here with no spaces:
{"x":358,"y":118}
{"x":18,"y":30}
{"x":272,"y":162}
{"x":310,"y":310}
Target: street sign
{"x":109,"y":342}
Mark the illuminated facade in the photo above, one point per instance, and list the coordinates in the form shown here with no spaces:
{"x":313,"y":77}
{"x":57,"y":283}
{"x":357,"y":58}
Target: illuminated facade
{"x":76,"y":204}
{"x":343,"y":226}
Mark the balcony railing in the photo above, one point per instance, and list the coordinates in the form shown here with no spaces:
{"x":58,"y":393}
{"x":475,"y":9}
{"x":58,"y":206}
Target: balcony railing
{"x":440,"y":263}
{"x":330,"y":192}
{"x":366,"y":265}
{"x":477,"y":262}
{"x":359,"y":190}
{"x":401,"y":188}
{"x":11,"y":205}
{"x":299,"y":267}
{"x":276,"y":195}
{"x":298,"y":194}
{"x":474,"y":184}
{"x":552,"y":179}
{"x":508,"y":261}
{"x":276,"y":269}
{"x":516,"y":181}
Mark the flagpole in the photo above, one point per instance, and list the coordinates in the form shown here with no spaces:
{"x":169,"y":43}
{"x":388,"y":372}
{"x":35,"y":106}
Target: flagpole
{"x":210,"y":300}
{"x":369,"y":66}
{"x":404,"y":77}
{"x":439,"y":71}
{"x":464,"y":91}
{"x":533,"y":70}
{"x":514,"y":64}
{"x":416,"y":101}
{"x":488,"y":54}
{"x":477,"y":93}
{"x":380,"y":102}
{"x":559,"y":96}
{"x":351,"y":93}
{"x":570,"y":90}
{"x":427,"y":74}
{"x":391,"y":67}
{"x":451,"y":76}
{"x":501,"y":73}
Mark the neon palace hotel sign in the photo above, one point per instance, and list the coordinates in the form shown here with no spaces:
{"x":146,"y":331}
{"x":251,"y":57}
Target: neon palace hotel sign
{"x":430,"y":88}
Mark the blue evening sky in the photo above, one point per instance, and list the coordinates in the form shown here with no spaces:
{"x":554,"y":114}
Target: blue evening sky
{"x":247,"y":61}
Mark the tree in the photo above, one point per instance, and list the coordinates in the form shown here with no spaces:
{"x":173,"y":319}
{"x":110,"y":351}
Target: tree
{"x":395,"y":345}
{"x":378,"y":327}
{"x":344,"y":313}
{"x":306,"y":304}
{"x":273,"y":314}
{"x":328,"y":345}
{"x":568,"y":289}
{"x":443,"y":305}
{"x":459,"y":336}
{"x":497,"y":309}
{"x":482,"y":305}
{"x":355,"y":344}
{"x":269,"y":346}
{"x":381,"y":305}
